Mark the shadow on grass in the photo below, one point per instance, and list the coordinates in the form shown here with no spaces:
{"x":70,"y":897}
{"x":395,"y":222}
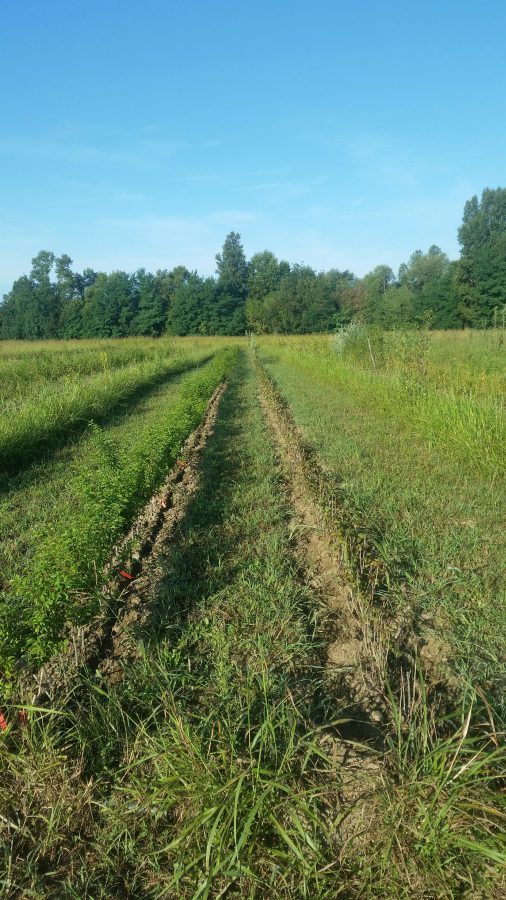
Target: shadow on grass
{"x":26,"y":467}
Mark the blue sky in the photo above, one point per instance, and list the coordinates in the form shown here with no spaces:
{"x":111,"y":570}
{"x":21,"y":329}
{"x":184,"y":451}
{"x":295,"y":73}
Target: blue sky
{"x":139,"y":132}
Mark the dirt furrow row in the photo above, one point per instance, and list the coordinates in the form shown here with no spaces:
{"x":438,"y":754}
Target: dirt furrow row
{"x":370,"y":648}
{"x":108,"y":643}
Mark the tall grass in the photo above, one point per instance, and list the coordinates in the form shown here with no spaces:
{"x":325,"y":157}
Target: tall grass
{"x":418,"y":475}
{"x":28,"y":372}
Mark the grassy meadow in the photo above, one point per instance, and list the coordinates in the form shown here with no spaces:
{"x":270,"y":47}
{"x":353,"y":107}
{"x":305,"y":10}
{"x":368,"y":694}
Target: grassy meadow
{"x":233,"y":757}
{"x":412,"y":428}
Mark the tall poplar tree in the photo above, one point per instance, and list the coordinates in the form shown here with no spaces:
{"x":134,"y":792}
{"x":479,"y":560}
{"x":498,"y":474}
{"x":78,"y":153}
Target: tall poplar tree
{"x":232,"y":287}
{"x":481,"y":276}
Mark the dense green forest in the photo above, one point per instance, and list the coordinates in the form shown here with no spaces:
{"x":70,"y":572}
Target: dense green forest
{"x":268,"y":295}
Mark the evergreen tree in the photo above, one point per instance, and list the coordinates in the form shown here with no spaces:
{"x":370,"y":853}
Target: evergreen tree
{"x":232,"y":268}
{"x":229,"y":316}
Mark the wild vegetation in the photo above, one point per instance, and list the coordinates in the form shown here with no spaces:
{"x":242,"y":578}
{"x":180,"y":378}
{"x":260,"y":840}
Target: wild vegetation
{"x":268,"y":295}
{"x":63,"y":552}
{"x":251,"y":747}
{"x":417,"y":452}
{"x":47,"y":415}
{"x":264,"y":740}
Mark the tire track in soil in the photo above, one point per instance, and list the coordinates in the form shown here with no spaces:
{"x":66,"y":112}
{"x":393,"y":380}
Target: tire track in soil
{"x":371,"y":650}
{"x":107,"y":644}
{"x":368,"y":650}
{"x":375,"y":646}
{"x":357,"y":750}
{"x":355,"y":652}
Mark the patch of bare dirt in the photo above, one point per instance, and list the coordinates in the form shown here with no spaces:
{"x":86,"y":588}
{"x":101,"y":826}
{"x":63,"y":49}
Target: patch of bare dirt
{"x":108,"y":644}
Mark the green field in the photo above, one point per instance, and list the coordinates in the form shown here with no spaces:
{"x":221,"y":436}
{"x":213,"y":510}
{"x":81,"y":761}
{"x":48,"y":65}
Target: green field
{"x":310,"y":702}
{"x":418,"y":450}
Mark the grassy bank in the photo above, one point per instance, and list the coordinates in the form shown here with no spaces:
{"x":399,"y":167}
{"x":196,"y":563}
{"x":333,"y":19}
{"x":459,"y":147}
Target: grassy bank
{"x":418,"y":469}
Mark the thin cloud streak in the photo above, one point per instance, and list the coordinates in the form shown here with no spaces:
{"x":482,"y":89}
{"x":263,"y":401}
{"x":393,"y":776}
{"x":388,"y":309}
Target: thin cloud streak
{"x":139,"y":153}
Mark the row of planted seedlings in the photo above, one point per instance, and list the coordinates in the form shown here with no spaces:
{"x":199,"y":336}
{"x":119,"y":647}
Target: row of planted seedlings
{"x":60,"y":580}
{"x":48,"y":416}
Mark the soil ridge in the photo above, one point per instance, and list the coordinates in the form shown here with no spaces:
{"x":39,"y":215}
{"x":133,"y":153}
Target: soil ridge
{"x":107,"y":644}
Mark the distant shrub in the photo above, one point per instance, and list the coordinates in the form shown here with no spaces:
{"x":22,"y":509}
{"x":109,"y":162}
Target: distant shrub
{"x":405,"y":351}
{"x":361,"y":342}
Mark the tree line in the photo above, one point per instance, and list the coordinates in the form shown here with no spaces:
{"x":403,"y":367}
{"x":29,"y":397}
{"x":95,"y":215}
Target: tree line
{"x":267,"y":295}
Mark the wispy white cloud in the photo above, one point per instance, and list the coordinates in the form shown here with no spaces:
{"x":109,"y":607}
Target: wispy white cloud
{"x":139,"y":152}
{"x":381,"y":158}
{"x":158,"y":241}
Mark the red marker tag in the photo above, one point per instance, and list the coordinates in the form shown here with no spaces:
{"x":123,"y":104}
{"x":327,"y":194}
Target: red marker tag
{"x":126,"y":575}
{"x":3,"y":722}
